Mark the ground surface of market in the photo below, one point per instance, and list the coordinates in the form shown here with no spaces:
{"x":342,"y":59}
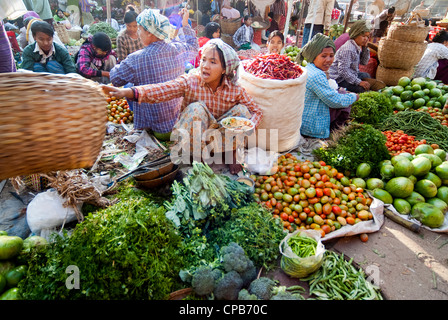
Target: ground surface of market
{"x":408,"y":265}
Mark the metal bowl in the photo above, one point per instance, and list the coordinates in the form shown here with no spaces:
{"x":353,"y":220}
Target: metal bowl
{"x":159,"y":181}
{"x":155,"y":172}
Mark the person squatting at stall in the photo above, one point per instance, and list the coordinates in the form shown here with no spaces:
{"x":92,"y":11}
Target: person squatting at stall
{"x":325,"y":108}
{"x":128,"y":40}
{"x":159,"y":61}
{"x":345,"y":68}
{"x":210,"y":93}
{"x":244,"y":36}
{"x":44,"y":55}
{"x":96,"y":58}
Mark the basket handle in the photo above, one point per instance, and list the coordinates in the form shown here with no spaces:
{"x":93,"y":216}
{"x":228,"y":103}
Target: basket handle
{"x":417,"y":16}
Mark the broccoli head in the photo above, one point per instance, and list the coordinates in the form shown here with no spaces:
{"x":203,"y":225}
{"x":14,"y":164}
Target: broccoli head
{"x":234,"y":258}
{"x":203,"y":280}
{"x":262,"y":288}
{"x":228,"y":287}
{"x":249,"y":274}
{"x":245,"y":295}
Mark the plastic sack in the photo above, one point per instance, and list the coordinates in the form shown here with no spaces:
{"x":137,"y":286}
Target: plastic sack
{"x":47,"y":211}
{"x":298,"y":267}
{"x":282,"y":103}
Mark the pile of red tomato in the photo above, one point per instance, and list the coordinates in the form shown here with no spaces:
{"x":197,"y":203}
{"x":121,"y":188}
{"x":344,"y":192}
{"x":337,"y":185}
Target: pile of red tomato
{"x":399,"y":142}
{"x":312,"y":195}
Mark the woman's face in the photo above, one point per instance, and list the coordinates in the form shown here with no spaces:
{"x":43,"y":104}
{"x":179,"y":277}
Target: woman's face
{"x":99,"y":52}
{"x":275,"y":45}
{"x":217,"y":34}
{"x":44,"y":41}
{"x":132,"y":28}
{"x":211,"y":67}
{"x":60,"y":14}
{"x":362,"y":39}
{"x":146,"y":37}
{"x":325,"y":59}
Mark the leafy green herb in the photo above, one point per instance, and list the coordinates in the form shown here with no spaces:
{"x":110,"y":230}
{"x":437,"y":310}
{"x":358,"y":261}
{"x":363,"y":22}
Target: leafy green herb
{"x":354,"y":145}
{"x":126,"y":251}
{"x":372,"y":107}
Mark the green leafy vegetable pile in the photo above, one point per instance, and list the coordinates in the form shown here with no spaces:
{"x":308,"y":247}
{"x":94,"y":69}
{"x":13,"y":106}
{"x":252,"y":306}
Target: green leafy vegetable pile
{"x":103,"y":27}
{"x":372,"y":107}
{"x":353,"y":145}
{"x":204,"y":199}
{"x":128,"y":251}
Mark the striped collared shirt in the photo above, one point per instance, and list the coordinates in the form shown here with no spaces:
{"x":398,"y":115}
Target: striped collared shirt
{"x":157,"y":63}
{"x":127,"y":45}
{"x":191,"y":88}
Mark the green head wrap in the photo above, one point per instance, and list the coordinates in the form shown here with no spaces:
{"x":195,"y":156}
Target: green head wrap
{"x":314,"y":47}
{"x":358,"y":28}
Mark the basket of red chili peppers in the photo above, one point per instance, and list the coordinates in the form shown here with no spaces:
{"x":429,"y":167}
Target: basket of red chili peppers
{"x":272,"y":66}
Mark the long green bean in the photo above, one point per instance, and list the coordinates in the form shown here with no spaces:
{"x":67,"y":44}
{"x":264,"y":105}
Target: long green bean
{"x":418,"y":124}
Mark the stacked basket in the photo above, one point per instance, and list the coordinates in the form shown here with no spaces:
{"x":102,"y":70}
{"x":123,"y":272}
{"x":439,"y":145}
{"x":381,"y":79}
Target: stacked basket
{"x":228,"y":29}
{"x":401,"y":50}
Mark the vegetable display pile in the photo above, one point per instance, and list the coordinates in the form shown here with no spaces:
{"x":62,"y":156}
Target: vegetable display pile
{"x":418,"y":124}
{"x":417,"y":93}
{"x":398,"y":142}
{"x":273,"y":66}
{"x":372,"y":107}
{"x":312,"y":195}
{"x":339,"y":279}
{"x":126,"y":251}
{"x":302,"y":246}
{"x":118,"y":110}
{"x":353,"y":145}
{"x":103,"y":27}
{"x":437,"y":113}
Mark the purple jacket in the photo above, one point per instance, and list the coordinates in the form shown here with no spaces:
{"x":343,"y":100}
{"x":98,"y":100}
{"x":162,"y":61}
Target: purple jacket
{"x":7,"y":62}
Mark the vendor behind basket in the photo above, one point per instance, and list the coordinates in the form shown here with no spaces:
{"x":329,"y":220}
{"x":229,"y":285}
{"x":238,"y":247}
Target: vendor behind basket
{"x":325,"y":108}
{"x":209,"y":95}
{"x":45,"y":55}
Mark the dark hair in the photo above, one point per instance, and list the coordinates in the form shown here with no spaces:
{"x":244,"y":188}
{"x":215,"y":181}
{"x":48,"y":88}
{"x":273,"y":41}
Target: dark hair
{"x":294,"y":18}
{"x":59,"y":9}
{"x":391,"y":10}
{"x":130,"y":16}
{"x":102,"y":41}
{"x":211,"y":28}
{"x":440,"y":37}
{"x":42,"y":26}
{"x":276,"y":33}
{"x":220,"y":55}
{"x":246,"y":17}
{"x":271,"y":15}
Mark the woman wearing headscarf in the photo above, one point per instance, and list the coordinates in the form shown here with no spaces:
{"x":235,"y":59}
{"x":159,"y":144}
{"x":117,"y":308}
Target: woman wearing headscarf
{"x":160,"y":60}
{"x":96,"y":58}
{"x":345,"y":68}
{"x":209,"y":95}
{"x":325,"y":108}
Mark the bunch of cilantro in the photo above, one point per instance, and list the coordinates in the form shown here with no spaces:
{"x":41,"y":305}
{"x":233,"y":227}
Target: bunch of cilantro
{"x":372,"y":108}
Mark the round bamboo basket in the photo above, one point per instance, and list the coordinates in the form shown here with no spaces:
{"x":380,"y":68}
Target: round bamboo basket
{"x":396,"y":54}
{"x":227,"y":38}
{"x":49,"y":122}
{"x":409,"y":33}
{"x":229,"y":26}
{"x":391,"y":76}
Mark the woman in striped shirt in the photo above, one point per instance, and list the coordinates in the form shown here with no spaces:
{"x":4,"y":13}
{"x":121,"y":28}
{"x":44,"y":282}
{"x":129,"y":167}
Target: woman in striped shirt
{"x":209,"y":95}
{"x":128,"y":40}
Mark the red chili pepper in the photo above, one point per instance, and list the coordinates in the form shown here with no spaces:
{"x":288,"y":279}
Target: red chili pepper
{"x":273,"y":66}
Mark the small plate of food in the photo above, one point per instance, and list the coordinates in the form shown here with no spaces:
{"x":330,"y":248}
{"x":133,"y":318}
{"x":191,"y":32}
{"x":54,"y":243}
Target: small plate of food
{"x":238,"y":124}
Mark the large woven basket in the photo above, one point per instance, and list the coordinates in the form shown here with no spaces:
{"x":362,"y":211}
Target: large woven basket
{"x":229,"y":26}
{"x":227,"y":38}
{"x":413,"y":30}
{"x":396,"y":54}
{"x":391,"y":76}
{"x":49,"y":122}
{"x":62,"y":32}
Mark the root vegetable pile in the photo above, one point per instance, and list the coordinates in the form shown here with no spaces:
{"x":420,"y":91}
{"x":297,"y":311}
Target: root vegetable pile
{"x":312,"y":195}
{"x":273,"y":66}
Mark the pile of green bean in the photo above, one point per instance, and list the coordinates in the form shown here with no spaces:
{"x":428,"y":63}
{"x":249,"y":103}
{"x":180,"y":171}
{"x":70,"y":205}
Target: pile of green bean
{"x":338,"y":279}
{"x":302,"y":246}
{"x":418,"y":124}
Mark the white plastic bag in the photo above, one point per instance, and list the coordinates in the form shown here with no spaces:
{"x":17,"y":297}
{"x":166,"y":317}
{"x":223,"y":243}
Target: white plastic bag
{"x":46,"y":212}
{"x":298,"y":267}
{"x":261,"y":162}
